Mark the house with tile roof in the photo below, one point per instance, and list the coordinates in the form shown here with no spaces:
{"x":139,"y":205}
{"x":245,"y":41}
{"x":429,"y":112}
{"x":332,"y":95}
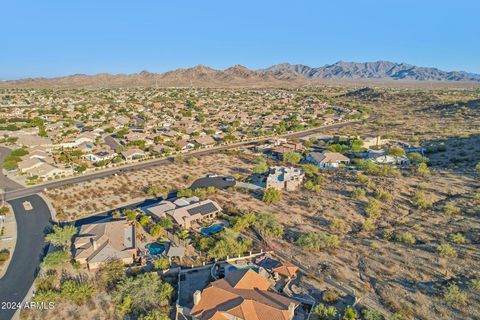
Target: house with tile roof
{"x":103,"y":241}
{"x":242,"y":294}
{"x":327,"y":159}
{"x":186,"y":211}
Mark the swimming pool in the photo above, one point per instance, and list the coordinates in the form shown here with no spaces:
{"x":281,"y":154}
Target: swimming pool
{"x":231,"y":268}
{"x":214,"y":228}
{"x":155,"y":248}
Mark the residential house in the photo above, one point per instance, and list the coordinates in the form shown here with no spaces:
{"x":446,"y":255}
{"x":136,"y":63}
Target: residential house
{"x":105,"y":240}
{"x":287,"y":147}
{"x":242,"y":294}
{"x":373,"y":141}
{"x":327,"y":159}
{"x":133,"y":154}
{"x":284,"y":178}
{"x":186,"y":211}
{"x":205,"y":141}
{"x":100,"y":156}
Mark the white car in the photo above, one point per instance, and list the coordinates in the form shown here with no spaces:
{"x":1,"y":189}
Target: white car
{"x":212,"y":175}
{"x":27,"y":205}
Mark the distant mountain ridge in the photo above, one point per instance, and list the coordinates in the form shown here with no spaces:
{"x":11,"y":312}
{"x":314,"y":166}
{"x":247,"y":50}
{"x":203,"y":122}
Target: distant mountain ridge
{"x":238,"y":75}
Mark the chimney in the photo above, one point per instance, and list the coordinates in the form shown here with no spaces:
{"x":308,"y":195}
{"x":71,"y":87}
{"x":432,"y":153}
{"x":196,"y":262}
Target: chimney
{"x":197,"y":296}
{"x":94,"y":243}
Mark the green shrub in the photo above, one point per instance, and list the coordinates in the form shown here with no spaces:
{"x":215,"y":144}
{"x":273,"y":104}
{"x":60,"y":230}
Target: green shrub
{"x":324,"y":312}
{"x":475,"y":285}
{"x":447,"y":251}
{"x":271,"y":195}
{"x":77,"y":292}
{"x":56,"y":258}
{"x":405,"y":237}
{"x":318,"y":241}
{"x":456,"y":238}
{"x":330,"y":296}
{"x":4,"y":256}
{"x":450,"y":209}
{"x":161,"y":263}
{"x":350,"y":314}
{"x":359,"y":193}
{"x":268,"y":225}
{"x":420,"y":200}
{"x":454,"y":296}
{"x":373,"y":209}
{"x":372,"y":314}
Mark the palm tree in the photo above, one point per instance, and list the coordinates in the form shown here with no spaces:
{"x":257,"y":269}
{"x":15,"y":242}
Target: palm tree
{"x":62,"y":236}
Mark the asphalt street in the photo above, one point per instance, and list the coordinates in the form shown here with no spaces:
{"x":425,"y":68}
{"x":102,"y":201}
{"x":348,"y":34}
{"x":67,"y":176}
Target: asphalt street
{"x":29,"y":250}
{"x":13,"y":194}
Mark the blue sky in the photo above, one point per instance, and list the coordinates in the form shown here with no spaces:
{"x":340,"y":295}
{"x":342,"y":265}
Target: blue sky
{"x":53,"y":38}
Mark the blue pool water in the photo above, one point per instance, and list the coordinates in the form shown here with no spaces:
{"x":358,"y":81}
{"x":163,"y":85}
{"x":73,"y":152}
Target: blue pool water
{"x":214,"y":228}
{"x":155,"y":248}
{"x":231,"y":268}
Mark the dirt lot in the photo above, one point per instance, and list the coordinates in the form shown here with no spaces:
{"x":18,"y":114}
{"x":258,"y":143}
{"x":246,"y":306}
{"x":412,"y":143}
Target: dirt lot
{"x":84,"y":199}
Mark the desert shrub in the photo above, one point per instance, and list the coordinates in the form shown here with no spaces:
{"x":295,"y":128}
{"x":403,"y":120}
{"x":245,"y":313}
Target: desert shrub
{"x":338,"y":224}
{"x":405,"y":237}
{"x":110,"y":274}
{"x":330,"y":296}
{"x":244,"y":221}
{"x":229,"y":244}
{"x":161,"y":263}
{"x":260,"y":167}
{"x":359,"y":193}
{"x":362,"y":179}
{"x":154,"y":315}
{"x":144,"y":220}
{"x":46,"y":296}
{"x":155,"y":231}
{"x":165,"y":222}
{"x":372,"y":314}
{"x":142,"y":293}
{"x":46,"y":281}
{"x":383,"y":195}
{"x":475,"y":285}
{"x":61,"y":236}
{"x":457,"y":238}
{"x":420,"y":200}
{"x":318,"y":241}
{"x":422,"y":186}
{"x":292,"y":157}
{"x":477,"y":167}
{"x":56,"y":258}
{"x":4,"y":256}
{"x":324,"y":312}
{"x":451,"y":209}
{"x":268,"y":225}
{"x":310,"y":169}
{"x":271,"y":195}
{"x":446,"y":251}
{"x":368,"y":224}
{"x":373,"y":209}
{"x":422,"y":170}
{"x":76,"y":292}
{"x":185,"y":193}
{"x":130,"y":214}
{"x":350,"y":314}
{"x":454,"y":296}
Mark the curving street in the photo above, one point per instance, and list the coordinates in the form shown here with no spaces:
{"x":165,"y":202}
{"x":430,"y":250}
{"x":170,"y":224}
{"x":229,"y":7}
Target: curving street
{"x":29,"y":251}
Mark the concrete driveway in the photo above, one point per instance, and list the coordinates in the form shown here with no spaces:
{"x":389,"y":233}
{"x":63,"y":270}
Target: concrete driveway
{"x":217,"y":182}
{"x":29,"y":251}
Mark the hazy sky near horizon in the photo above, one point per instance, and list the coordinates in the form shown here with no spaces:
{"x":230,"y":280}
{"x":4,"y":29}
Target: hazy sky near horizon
{"x":54,"y":38}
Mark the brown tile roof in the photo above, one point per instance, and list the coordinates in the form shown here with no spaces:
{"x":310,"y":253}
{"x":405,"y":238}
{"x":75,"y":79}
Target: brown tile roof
{"x":243,"y":294}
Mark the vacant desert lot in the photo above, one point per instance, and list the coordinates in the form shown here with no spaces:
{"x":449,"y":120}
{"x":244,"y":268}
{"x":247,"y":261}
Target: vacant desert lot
{"x":84,"y":199}
{"x":409,"y":278}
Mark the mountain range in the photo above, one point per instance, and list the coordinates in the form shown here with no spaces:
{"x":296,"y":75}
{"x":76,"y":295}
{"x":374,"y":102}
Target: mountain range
{"x":280,"y":74}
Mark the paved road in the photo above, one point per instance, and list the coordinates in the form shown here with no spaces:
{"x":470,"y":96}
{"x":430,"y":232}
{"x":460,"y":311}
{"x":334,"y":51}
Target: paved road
{"x":13,"y":194}
{"x":29,"y":250}
{"x":5,"y":183}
